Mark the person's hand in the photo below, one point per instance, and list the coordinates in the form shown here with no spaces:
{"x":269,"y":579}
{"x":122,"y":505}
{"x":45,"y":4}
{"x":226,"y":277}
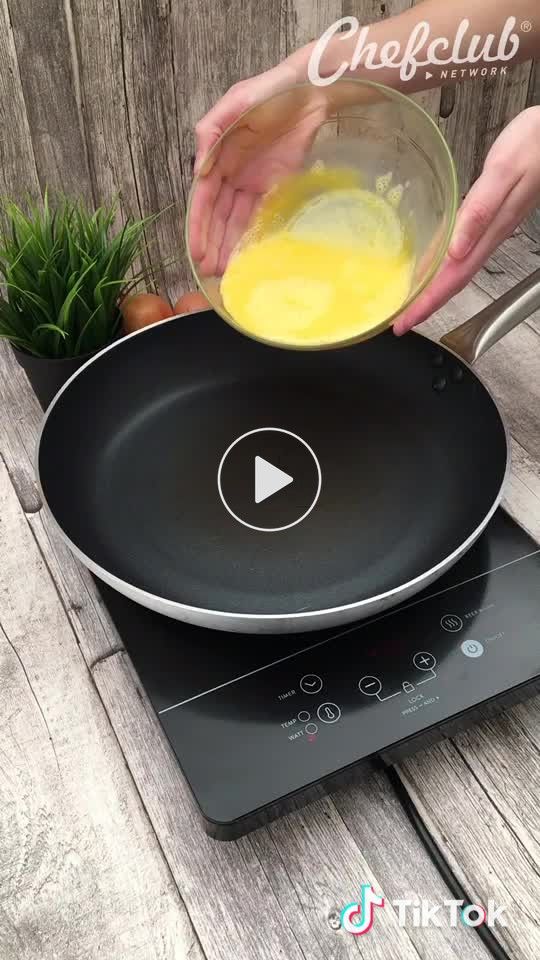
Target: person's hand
{"x":262,"y":146}
{"x":239,"y":98}
{"x":236,"y":172}
{"x":505,"y":193}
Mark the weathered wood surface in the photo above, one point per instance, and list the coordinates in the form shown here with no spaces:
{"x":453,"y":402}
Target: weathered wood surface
{"x":81,"y":871}
{"x":47,"y":67}
{"x":100,"y":98}
{"x":142,"y":863}
{"x":100,"y":851}
{"x":18,"y":173}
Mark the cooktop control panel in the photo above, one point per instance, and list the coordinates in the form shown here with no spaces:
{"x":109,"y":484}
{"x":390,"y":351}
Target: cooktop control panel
{"x":254,"y":719}
{"x":356,"y":694}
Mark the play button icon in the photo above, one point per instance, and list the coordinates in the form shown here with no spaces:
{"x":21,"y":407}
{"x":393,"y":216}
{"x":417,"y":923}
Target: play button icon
{"x":269,"y":479}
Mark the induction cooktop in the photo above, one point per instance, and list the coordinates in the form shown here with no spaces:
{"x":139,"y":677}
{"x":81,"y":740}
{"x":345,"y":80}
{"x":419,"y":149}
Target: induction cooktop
{"x":262,"y":725}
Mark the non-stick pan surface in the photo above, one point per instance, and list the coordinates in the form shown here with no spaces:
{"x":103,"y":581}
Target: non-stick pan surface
{"x":411,"y":447}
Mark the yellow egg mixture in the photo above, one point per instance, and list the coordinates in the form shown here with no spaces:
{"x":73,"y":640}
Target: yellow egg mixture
{"x":324,"y":261}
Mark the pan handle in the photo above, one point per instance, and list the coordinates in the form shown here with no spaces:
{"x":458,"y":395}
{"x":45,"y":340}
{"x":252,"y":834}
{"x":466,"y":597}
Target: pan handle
{"x":474,"y":337}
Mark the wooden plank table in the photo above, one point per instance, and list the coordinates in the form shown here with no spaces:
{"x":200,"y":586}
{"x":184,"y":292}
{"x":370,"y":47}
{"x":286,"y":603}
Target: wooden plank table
{"x":101,"y":853}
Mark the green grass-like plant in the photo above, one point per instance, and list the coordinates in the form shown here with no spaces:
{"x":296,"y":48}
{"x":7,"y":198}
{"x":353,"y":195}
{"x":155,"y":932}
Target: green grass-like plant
{"x":63,"y":273}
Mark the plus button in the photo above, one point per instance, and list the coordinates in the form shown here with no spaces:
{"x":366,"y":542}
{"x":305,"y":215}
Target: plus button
{"x":424,"y":660}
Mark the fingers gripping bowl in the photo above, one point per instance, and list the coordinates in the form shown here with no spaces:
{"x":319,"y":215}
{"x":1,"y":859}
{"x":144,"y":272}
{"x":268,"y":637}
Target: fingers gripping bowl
{"x":321,"y":214}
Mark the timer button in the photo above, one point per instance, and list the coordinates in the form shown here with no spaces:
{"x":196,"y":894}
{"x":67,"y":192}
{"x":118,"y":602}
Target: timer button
{"x":311,"y":683}
{"x":424,"y":661}
{"x":329,"y":713}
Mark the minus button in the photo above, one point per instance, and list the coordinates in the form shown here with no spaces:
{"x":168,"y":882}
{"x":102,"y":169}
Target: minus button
{"x":370,"y":686}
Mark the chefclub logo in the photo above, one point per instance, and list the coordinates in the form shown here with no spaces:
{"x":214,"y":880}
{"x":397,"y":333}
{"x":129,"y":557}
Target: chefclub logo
{"x":459,"y":56}
{"x":357,"y":917}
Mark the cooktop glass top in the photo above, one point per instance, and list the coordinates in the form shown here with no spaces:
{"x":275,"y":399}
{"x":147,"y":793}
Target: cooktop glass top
{"x":253,"y":720}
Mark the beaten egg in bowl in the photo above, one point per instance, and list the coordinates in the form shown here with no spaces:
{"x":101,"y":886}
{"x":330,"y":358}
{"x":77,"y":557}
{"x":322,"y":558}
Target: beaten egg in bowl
{"x":325,"y":260}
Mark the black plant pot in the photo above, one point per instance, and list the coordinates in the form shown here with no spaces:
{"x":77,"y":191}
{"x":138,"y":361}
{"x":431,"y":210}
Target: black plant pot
{"x":46,"y":375}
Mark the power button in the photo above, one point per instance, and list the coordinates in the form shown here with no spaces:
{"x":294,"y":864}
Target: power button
{"x":472,"y":648}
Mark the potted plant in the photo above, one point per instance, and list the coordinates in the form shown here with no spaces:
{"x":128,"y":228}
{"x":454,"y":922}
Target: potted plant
{"x":64,"y":273}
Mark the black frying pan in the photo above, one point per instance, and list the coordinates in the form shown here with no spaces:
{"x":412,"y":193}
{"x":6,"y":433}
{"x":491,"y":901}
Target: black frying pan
{"x":411,"y":447}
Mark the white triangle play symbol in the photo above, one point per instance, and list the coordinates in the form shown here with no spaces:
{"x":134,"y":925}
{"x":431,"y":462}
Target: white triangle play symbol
{"x":269,"y":479}
{"x":428,"y":75}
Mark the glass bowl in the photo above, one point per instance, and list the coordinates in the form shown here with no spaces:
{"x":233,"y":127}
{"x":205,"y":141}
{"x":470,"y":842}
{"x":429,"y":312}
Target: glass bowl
{"x":354,"y":127}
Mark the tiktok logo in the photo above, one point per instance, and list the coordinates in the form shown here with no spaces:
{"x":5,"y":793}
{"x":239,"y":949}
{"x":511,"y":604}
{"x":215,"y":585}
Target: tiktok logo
{"x":357,"y":918}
